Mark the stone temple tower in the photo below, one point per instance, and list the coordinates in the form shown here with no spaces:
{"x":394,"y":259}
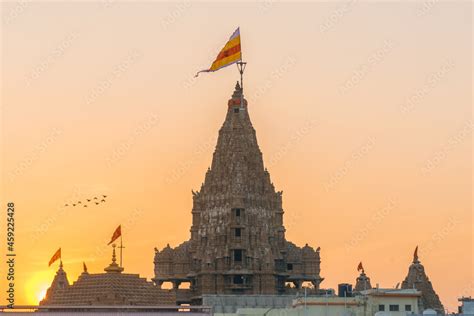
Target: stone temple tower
{"x":417,"y":279}
{"x":237,"y":243}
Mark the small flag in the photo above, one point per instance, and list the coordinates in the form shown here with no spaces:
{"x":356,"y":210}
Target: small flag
{"x":360,"y":267}
{"x":84,"y":266}
{"x":415,"y":255}
{"x":56,"y":256}
{"x":117,"y":234}
{"x":230,"y":54}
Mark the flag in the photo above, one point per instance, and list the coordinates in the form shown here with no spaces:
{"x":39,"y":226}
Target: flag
{"x":415,"y":255}
{"x":360,"y":267}
{"x":56,"y":256}
{"x":230,"y":54}
{"x":84,"y":266}
{"x":117,"y":234}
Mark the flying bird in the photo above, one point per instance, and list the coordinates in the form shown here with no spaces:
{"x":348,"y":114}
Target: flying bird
{"x":88,"y":200}
{"x":74,"y":205}
{"x":66,"y":204}
{"x":79,"y":202}
{"x":85,"y":205}
{"x":104,"y":196}
{"x":102,"y":200}
{"x":95,"y":197}
{"x":97,"y":203}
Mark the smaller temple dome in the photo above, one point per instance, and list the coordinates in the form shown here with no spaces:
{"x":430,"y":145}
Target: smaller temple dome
{"x":362,"y":281}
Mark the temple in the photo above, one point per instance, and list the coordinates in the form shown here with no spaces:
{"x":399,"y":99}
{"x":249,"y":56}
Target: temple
{"x":362,"y":282}
{"x":106,"y":289}
{"x":237,"y":243}
{"x":417,"y":279}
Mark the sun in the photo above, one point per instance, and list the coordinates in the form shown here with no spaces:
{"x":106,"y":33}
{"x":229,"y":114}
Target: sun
{"x":41,"y":294}
{"x":36,"y":287}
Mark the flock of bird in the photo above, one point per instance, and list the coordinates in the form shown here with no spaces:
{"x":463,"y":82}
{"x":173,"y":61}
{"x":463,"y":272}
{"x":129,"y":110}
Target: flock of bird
{"x":95,"y":200}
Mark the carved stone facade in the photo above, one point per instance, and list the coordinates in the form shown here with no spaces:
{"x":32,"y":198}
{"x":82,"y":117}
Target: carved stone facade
{"x":362,"y":283}
{"x":237,"y":243}
{"x":106,"y":289}
{"x":417,"y":279}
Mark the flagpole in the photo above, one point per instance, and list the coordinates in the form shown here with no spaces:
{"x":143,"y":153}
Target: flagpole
{"x":121,"y":247}
{"x":241,"y":67}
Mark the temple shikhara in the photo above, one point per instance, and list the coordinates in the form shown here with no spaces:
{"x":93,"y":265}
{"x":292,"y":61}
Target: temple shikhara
{"x":237,"y":252}
{"x":237,"y":243}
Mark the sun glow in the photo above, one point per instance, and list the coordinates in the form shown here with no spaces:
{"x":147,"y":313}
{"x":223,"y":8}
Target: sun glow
{"x":37,"y":286}
{"x":41,"y":294}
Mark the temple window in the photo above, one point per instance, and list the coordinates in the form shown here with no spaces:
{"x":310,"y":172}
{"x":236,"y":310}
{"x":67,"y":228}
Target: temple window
{"x":238,"y":279}
{"x":407,"y":308}
{"x":236,"y":110}
{"x":238,"y":232}
{"x":381,"y":308}
{"x":394,"y":308}
{"x":289,"y":266}
{"x":238,"y":255}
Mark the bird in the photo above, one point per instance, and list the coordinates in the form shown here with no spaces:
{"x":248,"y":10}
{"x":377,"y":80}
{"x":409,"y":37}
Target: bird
{"x":95,"y":197}
{"x":74,"y":205}
{"x":102,"y":200}
{"x":66,"y":204}
{"x":88,"y":200}
{"x":79,"y":202}
{"x":104,"y":196}
{"x":85,"y":205}
{"x":97,"y":203}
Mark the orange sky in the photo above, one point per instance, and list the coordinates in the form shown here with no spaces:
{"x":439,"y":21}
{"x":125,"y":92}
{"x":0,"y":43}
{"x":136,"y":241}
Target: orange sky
{"x":363,"y":112}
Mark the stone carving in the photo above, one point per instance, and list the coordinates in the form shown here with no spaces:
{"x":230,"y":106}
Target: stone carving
{"x":110,"y":288}
{"x":237,"y":243}
{"x":417,"y":279}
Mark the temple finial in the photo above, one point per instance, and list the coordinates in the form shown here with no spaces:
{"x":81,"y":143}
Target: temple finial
{"x":114,"y":267}
{"x":237,"y":86}
{"x":84,"y":267}
{"x":114,"y":257}
{"x":415,"y":255}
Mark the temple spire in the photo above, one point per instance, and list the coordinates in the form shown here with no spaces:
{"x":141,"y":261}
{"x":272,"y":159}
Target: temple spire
{"x":415,"y":256}
{"x":363,"y":281}
{"x":417,"y":279}
{"x":114,"y":267}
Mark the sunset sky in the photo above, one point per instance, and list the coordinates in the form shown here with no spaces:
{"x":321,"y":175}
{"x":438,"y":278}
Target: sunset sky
{"x":363,"y":112}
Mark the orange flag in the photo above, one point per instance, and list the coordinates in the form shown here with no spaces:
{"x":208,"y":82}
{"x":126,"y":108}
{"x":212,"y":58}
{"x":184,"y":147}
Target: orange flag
{"x":415,"y":254}
{"x":84,"y":266}
{"x":360,"y":267}
{"x":117,"y":234}
{"x":56,"y":256}
{"x":229,"y":54}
